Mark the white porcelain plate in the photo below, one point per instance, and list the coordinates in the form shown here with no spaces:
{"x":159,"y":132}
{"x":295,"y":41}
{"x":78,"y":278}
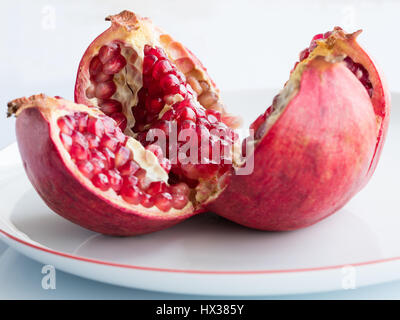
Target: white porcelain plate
{"x":208,"y":255}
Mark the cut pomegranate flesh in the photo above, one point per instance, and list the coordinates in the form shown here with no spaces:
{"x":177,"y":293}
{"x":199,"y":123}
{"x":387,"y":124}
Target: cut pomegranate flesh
{"x":118,"y":169}
{"x":166,"y":101}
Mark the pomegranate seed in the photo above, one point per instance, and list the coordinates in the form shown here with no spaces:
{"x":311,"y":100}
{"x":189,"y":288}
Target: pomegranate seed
{"x":95,"y":66}
{"x":79,"y":138}
{"x":98,"y":154}
{"x":160,"y":68}
{"x":212,"y":119}
{"x":154,"y":105}
{"x":179,"y":201}
{"x":154,"y":89}
{"x":78,"y":152}
{"x":98,"y":165}
{"x":156,"y":51}
{"x":201,"y":112}
{"x":215,"y":113}
{"x":186,"y":114}
{"x":163,"y":201}
{"x":182,"y":91}
{"x":110,"y":106}
{"x":66,"y":125}
{"x":170,"y":84}
{"x":66,"y":140}
{"x":156,"y":187}
{"x":304,"y":54}
{"x":131,"y":194}
{"x":129,"y":168}
{"x":148,"y":63}
{"x":114,"y":65}
{"x":109,"y":125}
{"x":105,"y":90}
{"x":361,"y":73}
{"x":122,"y":156}
{"x":81,"y":120}
{"x":115,"y":180}
{"x":86,"y":168}
{"x":180,"y":76}
{"x":180,"y":188}
{"x":130,"y":180}
{"x":96,"y":127}
{"x":109,"y":142}
{"x":120,"y":136}
{"x":109,"y":156}
{"x":100,"y":180}
{"x":143,"y":182}
{"x":102,"y":77}
{"x":93,"y":141}
{"x":90,"y":92}
{"x":318,"y":37}
{"x":108,"y":52}
{"x":120,"y":119}
{"x":147,"y":201}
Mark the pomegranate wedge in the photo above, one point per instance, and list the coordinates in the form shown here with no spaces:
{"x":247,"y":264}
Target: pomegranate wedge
{"x":319,"y":142}
{"x":89,"y":172}
{"x":134,"y":70}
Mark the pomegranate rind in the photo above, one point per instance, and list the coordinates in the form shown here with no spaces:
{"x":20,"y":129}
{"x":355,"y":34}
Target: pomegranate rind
{"x":133,"y":30}
{"x":63,"y":188}
{"x":313,"y":159}
{"x":340,"y":43}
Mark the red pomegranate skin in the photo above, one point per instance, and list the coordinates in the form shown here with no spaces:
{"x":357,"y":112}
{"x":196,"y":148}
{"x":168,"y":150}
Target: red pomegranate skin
{"x":314,"y":158}
{"x":65,"y":195}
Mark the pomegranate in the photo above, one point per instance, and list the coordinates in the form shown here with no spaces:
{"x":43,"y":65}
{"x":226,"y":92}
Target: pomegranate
{"x":134,"y":70}
{"x":146,"y":151}
{"x":319,"y":142}
{"x":87,"y":170}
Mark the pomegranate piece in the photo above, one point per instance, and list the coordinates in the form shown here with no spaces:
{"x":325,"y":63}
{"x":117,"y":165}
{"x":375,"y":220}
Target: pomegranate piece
{"x":319,"y":142}
{"x":165,"y":64}
{"x":113,"y":185}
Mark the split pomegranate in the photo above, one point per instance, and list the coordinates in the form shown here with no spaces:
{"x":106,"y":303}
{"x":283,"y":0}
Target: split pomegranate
{"x":151,"y":145}
{"x":319,"y":142}
{"x":134,"y":72}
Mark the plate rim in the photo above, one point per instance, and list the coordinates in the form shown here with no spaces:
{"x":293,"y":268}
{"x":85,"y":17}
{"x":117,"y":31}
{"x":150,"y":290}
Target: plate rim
{"x":194,"y":271}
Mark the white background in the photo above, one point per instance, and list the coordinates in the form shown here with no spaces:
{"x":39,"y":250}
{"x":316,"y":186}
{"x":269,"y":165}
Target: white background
{"x":244,"y":44}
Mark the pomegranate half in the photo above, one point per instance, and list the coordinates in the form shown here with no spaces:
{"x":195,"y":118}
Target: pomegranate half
{"x":319,"y":142}
{"x":134,"y":69}
{"x":88,"y":171}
